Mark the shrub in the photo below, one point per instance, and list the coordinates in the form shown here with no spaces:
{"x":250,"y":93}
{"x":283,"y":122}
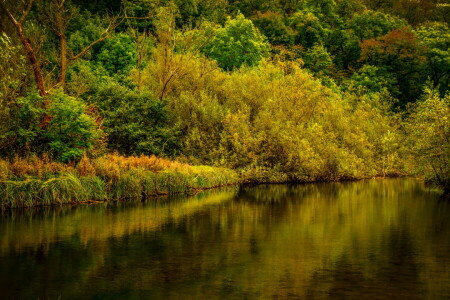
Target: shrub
{"x":70,"y":131}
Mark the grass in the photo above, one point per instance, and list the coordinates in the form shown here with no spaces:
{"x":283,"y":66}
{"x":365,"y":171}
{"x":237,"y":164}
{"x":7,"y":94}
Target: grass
{"x":42,"y":182}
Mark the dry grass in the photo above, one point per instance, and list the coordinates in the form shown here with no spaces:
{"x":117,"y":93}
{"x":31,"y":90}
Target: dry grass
{"x":40,"y":181}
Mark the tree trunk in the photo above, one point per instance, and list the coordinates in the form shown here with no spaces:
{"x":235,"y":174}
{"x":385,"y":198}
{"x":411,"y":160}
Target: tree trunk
{"x":33,"y":61}
{"x":37,"y":70}
{"x":62,"y":74}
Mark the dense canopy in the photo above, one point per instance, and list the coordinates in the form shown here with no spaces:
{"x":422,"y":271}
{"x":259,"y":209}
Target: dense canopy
{"x":278,"y":90}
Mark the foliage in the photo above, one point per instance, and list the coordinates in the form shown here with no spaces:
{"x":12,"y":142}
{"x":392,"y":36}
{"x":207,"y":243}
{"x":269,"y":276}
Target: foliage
{"x":297,"y":90}
{"x":117,"y":55}
{"x":38,"y":182}
{"x":371,"y":24}
{"x":12,"y":70}
{"x":308,"y":29}
{"x":278,"y":125}
{"x":436,"y":38}
{"x":429,"y":136}
{"x":70,"y":131}
{"x":401,"y":54}
{"x":371,"y":79}
{"x":135,"y":123}
{"x":238,"y":43}
{"x":25,"y":129}
{"x":58,"y":125}
{"x":317,"y":59}
{"x":343,"y":45}
{"x":272,"y":25}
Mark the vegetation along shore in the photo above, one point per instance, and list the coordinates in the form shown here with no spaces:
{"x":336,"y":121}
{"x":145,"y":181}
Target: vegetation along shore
{"x":114,"y":100}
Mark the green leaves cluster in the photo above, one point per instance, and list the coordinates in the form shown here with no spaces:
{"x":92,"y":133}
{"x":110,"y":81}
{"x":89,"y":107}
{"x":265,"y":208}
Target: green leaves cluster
{"x":135,"y":123}
{"x":429,"y":137}
{"x":238,"y":43}
{"x":285,"y":90}
{"x":58,"y":125}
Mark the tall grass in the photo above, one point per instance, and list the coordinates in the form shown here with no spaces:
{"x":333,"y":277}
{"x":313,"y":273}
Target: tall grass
{"x":40,"y":181}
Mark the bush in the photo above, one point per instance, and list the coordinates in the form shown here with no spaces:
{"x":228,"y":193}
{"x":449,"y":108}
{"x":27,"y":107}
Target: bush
{"x":136,"y":123}
{"x":57,"y":124}
{"x":70,"y":131}
{"x":429,"y":128}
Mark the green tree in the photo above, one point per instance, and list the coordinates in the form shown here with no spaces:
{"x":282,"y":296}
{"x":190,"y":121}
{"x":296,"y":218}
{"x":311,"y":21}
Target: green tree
{"x":117,"y":55}
{"x":309,"y":30}
{"x":429,"y":134}
{"x":343,"y":45}
{"x":399,"y":53}
{"x":70,"y":131}
{"x":436,"y":38}
{"x":238,"y":43}
{"x":371,"y":24}
{"x":326,"y":11}
{"x":60,"y":125}
{"x":371,"y":79}
{"x":317,"y":59}
{"x":272,"y":25}
{"x":289,"y":7}
{"x":23,"y":132}
{"x":135,"y":123}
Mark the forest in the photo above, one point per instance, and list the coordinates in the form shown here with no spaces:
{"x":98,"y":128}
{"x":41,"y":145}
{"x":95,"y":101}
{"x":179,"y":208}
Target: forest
{"x":126,"y":99}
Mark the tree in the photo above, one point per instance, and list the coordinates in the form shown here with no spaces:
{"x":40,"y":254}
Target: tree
{"x":415,"y":11}
{"x":429,"y":134}
{"x":70,"y":131}
{"x":326,"y":11}
{"x":136,"y":123}
{"x":142,"y":44}
{"x":436,"y":38}
{"x":13,"y":70}
{"x":57,"y":16}
{"x":25,"y":7}
{"x":248,"y":7}
{"x":371,"y":24}
{"x":272,"y":25}
{"x":63,"y":128}
{"x":117,"y":55}
{"x":238,"y":43}
{"x":309,"y":30}
{"x":370,"y":80}
{"x":317,"y":59}
{"x":343,"y":45}
{"x":400,"y":53}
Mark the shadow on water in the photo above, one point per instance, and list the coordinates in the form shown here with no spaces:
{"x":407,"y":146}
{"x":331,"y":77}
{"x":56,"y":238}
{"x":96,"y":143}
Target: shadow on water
{"x":371,"y":239}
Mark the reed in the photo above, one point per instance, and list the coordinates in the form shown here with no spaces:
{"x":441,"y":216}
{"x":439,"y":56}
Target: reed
{"x":19,"y":193}
{"x":42,"y":182}
{"x":62,"y":190}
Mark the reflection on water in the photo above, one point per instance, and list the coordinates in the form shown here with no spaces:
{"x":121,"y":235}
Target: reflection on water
{"x":376,"y":239}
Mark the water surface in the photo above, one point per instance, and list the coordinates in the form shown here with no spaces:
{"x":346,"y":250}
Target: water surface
{"x":375,"y":239}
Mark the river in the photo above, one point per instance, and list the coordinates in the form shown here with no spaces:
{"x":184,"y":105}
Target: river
{"x":372,"y":239}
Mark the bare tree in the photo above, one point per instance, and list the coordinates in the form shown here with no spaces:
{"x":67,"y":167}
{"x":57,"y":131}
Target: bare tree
{"x":141,"y":44}
{"x":18,"y":22}
{"x":57,"y":16}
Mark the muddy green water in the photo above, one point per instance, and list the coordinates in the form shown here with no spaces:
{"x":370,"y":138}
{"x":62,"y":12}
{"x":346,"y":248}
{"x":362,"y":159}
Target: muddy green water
{"x":375,"y":239}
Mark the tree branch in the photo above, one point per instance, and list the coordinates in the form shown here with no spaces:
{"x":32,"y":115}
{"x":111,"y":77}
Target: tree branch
{"x":87,"y":48}
{"x":10,"y":16}
{"x":108,"y":31}
{"x":26,"y":11}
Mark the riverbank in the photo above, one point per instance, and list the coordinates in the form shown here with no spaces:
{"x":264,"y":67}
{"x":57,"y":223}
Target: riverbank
{"x":37,"y":181}
{"x":42,"y":182}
